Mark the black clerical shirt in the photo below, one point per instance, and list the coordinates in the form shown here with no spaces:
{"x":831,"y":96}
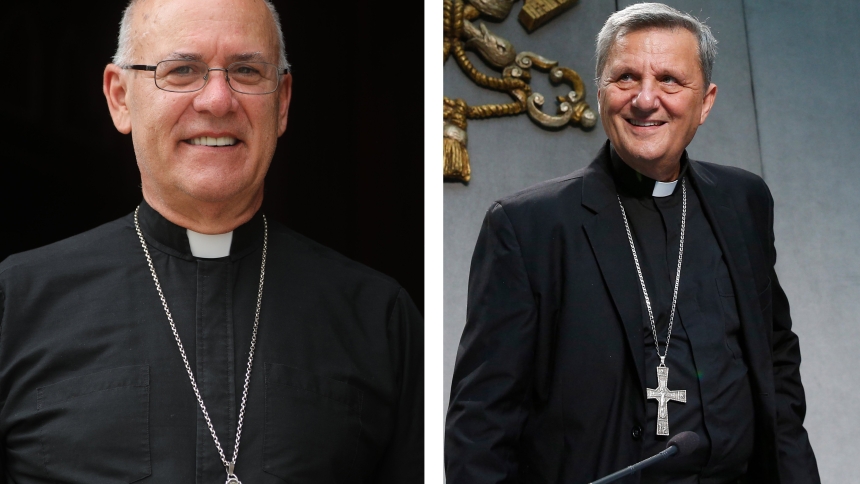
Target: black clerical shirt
{"x":704,"y":357}
{"x":93,"y":388}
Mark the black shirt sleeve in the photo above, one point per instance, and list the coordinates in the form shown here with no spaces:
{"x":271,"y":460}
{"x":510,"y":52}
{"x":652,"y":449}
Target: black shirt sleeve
{"x":403,"y":461}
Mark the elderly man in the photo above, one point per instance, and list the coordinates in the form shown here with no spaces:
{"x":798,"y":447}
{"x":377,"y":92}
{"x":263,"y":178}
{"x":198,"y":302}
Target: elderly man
{"x":194,"y":340}
{"x":578,"y":307}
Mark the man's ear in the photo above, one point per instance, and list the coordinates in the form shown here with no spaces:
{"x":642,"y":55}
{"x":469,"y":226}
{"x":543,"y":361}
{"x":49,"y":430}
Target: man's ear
{"x":116,"y":92}
{"x":708,"y":102}
{"x":285,"y":91}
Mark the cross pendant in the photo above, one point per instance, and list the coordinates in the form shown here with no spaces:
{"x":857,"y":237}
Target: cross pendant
{"x":662,"y":394}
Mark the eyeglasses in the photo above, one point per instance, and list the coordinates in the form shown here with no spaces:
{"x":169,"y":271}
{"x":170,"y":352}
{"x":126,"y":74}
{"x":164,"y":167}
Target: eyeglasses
{"x":190,"y":76}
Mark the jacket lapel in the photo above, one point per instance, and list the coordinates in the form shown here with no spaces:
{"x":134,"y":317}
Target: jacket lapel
{"x":608,"y":239}
{"x":727,"y":227}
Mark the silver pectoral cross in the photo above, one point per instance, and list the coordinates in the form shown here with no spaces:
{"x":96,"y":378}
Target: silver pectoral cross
{"x":662,"y":394}
{"x":231,"y":478}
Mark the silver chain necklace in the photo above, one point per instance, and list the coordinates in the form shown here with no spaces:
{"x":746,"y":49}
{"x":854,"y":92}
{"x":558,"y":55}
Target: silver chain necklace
{"x":662,"y":393}
{"x":231,"y":477}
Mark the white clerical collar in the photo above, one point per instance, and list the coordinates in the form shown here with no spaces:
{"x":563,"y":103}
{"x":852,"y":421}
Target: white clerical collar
{"x":663,"y":189}
{"x":209,"y":246}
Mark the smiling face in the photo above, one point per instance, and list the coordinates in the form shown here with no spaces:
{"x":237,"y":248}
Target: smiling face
{"x":210,"y":146}
{"x":653,"y":99}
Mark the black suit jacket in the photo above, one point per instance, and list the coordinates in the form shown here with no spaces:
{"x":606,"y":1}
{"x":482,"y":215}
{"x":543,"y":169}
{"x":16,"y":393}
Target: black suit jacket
{"x":549,"y":380}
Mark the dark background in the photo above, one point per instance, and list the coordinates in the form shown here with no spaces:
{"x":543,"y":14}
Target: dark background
{"x":348,"y":172}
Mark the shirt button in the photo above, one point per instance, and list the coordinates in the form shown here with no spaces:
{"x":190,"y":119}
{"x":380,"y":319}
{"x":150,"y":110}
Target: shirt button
{"x":637,"y":432}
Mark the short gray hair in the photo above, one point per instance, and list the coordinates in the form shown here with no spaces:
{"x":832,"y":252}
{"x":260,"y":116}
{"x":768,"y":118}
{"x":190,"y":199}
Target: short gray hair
{"x":647,"y":15}
{"x":123,"y":55}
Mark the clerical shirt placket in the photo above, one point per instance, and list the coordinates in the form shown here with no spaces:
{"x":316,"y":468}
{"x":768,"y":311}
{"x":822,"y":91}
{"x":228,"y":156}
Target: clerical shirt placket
{"x":719,"y":403}
{"x":215,"y":365}
{"x":657,"y":232}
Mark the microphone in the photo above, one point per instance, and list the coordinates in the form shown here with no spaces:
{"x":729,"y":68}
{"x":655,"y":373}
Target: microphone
{"x":681,"y":444}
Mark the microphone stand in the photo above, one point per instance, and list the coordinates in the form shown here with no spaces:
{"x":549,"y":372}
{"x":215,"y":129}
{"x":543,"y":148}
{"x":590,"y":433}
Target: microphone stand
{"x":670,"y":451}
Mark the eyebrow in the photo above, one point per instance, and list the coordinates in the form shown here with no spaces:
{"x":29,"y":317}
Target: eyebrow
{"x":184,"y":56}
{"x":246,"y":57}
{"x":241,"y":57}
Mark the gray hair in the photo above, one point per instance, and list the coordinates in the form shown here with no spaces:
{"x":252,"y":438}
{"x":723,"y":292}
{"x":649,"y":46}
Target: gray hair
{"x":647,"y":15}
{"x":123,"y":55}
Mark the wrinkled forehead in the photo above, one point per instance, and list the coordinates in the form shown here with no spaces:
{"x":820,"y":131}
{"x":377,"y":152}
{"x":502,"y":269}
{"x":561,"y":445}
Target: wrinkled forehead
{"x":679,"y":37}
{"x":204,"y":29}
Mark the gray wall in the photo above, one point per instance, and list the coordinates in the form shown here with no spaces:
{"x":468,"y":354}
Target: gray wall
{"x":788,"y":77}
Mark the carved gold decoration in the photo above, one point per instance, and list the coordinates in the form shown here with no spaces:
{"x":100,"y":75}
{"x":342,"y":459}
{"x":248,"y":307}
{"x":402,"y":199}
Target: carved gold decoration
{"x":460,"y":33}
{"x":497,"y":9}
{"x":538,"y":12}
{"x":454,"y":141}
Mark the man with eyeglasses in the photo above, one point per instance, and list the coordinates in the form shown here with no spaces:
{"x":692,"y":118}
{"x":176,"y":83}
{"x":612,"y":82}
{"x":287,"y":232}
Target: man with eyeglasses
{"x":194,"y":340}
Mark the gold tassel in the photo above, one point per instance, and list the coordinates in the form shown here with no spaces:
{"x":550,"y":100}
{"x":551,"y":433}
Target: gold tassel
{"x":456,"y":157}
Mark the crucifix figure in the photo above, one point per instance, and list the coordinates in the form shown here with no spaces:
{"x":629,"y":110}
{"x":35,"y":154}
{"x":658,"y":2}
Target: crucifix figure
{"x":662,"y":394}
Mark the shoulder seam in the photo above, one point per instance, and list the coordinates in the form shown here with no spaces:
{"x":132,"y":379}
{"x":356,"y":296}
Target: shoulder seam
{"x":539,"y":185}
{"x":326,"y":253}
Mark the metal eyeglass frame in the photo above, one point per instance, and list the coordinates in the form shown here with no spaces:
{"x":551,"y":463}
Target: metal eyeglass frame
{"x":144,"y":67}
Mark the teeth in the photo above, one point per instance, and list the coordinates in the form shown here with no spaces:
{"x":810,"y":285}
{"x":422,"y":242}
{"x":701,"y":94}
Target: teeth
{"x":644,"y":123}
{"x":210,"y":141}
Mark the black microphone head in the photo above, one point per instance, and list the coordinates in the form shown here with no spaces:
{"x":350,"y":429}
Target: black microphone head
{"x":686,"y":442}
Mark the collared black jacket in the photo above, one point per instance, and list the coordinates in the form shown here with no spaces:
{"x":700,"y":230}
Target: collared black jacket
{"x":93,"y":388}
{"x":549,"y":386}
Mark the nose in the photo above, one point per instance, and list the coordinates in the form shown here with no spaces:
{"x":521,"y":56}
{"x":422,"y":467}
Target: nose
{"x":216,"y":97}
{"x":647,"y":99}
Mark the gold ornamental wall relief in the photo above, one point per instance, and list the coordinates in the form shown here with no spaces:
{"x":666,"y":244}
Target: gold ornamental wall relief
{"x":460,"y":34}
